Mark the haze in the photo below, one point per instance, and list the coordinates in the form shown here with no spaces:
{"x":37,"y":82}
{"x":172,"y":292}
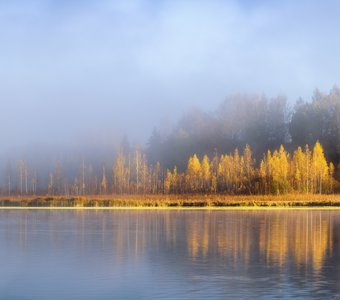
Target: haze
{"x":88,"y":72}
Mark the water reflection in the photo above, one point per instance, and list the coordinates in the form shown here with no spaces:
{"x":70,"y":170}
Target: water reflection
{"x":200,"y":253}
{"x":305,"y":237}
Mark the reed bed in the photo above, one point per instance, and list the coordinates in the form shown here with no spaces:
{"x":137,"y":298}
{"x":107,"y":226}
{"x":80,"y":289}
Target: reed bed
{"x":164,"y":201}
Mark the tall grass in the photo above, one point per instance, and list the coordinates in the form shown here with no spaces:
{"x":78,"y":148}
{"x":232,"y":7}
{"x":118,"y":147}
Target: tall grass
{"x":210,"y":200}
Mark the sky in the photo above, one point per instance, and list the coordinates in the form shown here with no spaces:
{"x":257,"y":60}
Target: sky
{"x":88,"y":72}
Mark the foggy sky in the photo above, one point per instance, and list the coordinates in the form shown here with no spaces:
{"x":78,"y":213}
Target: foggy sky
{"x":91,"y":71}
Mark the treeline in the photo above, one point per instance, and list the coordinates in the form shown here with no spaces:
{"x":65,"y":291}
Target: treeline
{"x":254,"y":123}
{"x":306,"y":171}
{"x":278,"y":172}
{"x":258,"y":121}
{"x":129,"y":174}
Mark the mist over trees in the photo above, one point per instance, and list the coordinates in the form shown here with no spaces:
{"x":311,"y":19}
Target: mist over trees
{"x":241,"y":119}
{"x":318,"y":120}
{"x":249,"y":144}
{"x":278,"y":172}
{"x":262,"y":123}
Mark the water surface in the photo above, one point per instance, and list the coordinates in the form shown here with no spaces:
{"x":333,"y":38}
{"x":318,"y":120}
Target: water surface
{"x":55,"y":254}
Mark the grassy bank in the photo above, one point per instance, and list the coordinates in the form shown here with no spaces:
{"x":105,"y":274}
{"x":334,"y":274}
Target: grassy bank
{"x":173,"y":201}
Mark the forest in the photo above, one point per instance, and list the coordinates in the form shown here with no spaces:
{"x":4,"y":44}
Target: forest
{"x":249,"y":145}
{"x":262,"y":123}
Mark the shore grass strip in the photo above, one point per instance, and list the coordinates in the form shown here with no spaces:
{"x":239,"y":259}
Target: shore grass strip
{"x":174,"y":201}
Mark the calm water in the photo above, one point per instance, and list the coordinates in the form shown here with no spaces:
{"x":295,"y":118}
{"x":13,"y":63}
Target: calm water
{"x":169,"y":254}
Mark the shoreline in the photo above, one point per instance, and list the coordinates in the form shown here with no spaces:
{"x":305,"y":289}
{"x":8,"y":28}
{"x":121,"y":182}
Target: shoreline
{"x":183,"y":208}
{"x":174,"y":202}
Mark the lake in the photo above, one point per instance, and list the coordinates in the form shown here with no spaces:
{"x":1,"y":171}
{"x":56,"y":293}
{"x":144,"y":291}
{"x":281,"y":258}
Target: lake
{"x":169,"y":254}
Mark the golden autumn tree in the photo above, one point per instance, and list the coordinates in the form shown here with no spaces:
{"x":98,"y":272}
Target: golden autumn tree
{"x":308,"y":167}
{"x":168,"y":182}
{"x":249,"y":170}
{"x":156,"y":178}
{"x":220,"y":173}
{"x":214,"y":173}
{"x":205,"y":174}
{"x":175,"y":181}
{"x":119,"y":173}
{"x":319,"y":168}
{"x":171,"y":181}
{"x":144,"y":175}
{"x":265,"y":173}
{"x":262,"y":173}
{"x":193,"y":174}
{"x":280,"y":168}
{"x":236,"y":171}
{"x":225,"y":171}
{"x":331,"y":176}
{"x":299,"y":170}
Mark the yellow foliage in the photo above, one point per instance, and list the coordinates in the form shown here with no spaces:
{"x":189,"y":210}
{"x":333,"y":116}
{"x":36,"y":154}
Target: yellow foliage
{"x":193,"y":174}
{"x":168,"y":181}
{"x":319,"y":167}
{"x":306,"y":172}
